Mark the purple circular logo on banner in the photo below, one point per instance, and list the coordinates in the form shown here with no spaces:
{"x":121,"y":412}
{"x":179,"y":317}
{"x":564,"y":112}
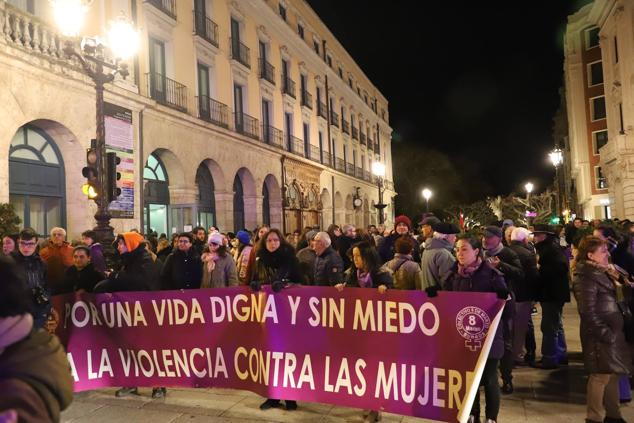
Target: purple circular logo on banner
{"x":472,"y":323}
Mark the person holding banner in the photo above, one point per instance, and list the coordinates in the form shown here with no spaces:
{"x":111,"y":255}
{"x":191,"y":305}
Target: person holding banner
{"x":219,"y":269}
{"x":473,"y":274}
{"x":597,"y":288}
{"x":275,"y":265}
{"x":183,"y":267}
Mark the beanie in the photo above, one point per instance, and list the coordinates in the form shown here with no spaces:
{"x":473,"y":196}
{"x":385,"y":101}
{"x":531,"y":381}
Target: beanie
{"x":403,"y":219}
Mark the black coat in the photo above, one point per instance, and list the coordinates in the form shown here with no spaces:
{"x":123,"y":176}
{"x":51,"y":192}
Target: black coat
{"x":379,"y":277}
{"x":511,"y":267}
{"x":199,"y":246}
{"x":343,"y":246}
{"x":553,"y":272}
{"x":85,"y":278}
{"x":33,"y":270}
{"x":526,"y":291}
{"x":280,"y":264}
{"x":602,"y":338}
{"x":182,"y":270}
{"x":386,"y":250}
{"x":138,"y":273}
{"x":328,"y":268}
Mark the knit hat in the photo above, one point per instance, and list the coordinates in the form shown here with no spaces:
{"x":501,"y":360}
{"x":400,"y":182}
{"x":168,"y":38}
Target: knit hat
{"x":403,"y":219}
{"x":243,"y":237}
{"x":446,"y":228}
{"x":216,"y":238}
{"x":493,"y":231}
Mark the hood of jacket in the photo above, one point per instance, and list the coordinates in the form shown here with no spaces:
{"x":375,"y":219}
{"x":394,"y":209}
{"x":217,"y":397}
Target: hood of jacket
{"x":439,"y":243}
{"x":132,"y":240}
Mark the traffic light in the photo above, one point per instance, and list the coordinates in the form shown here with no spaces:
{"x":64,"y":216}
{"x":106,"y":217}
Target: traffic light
{"x":90,"y":172}
{"x":112,"y":176}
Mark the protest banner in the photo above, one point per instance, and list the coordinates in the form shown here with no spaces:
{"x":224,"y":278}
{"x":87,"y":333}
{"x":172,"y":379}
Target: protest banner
{"x":400,"y":351}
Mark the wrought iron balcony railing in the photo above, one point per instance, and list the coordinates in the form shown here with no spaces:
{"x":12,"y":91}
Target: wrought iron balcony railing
{"x":345,"y":126}
{"x":167,"y":91}
{"x":321,"y":110}
{"x":166,"y":6}
{"x":272,"y":136}
{"x":362,"y":138}
{"x":295,"y":145}
{"x":213,"y":111}
{"x":315,"y":153}
{"x":246,"y":125}
{"x":307,"y":99}
{"x":267,"y":71}
{"x":340,"y":165}
{"x":288,"y":86}
{"x":240,"y":53}
{"x":205,"y":28}
{"x":350,"y":169}
{"x":355,"y":133}
{"x":334,"y":118}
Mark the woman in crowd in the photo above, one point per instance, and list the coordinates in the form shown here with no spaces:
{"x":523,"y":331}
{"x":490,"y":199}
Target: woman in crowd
{"x":219,"y":269}
{"x":472,"y":273}
{"x":9,"y":243}
{"x":406,"y":272}
{"x":597,"y":287}
{"x":242,"y":256}
{"x":366,"y":272}
{"x":275,"y":264}
{"x":163,"y":249}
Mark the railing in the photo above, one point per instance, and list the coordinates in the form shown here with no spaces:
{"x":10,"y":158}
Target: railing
{"x":350,"y":169}
{"x":315,"y":153}
{"x":340,"y":165}
{"x":205,"y":28}
{"x":326,"y":159}
{"x":321,"y":110}
{"x":267,"y":71}
{"x":377,"y":150}
{"x":246,"y":125}
{"x":295,"y":145}
{"x":288,"y":86}
{"x":367,"y":176}
{"x":166,"y":6}
{"x":240,"y":53}
{"x":362,"y":136}
{"x":334,"y":118}
{"x":213,"y":111}
{"x":370,"y":146}
{"x":307,"y":99}
{"x":355,"y":133}
{"x":389,"y":185}
{"x":345,"y":126}
{"x":358,"y":172}
{"x":370,"y":142}
{"x":167,"y":91}
{"x":272,"y":136}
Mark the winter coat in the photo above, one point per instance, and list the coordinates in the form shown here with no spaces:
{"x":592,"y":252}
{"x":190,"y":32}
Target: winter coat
{"x":244,"y":264}
{"x":602,"y":338}
{"x":57,"y":259}
{"x":378,"y":277}
{"x":510,"y":266}
{"x":484,"y":279}
{"x":163,"y":254}
{"x":526,"y":291}
{"x":182,"y":270}
{"x":33,"y":271}
{"x":34,"y":378}
{"x":85,"y":278}
{"x":199,"y":246}
{"x":437,"y":262}
{"x":223,"y":275}
{"x":138,"y":273}
{"x":386,"y":251}
{"x":554,"y":279}
{"x":306,"y":257}
{"x":328,"y":269}
{"x":405,"y":271}
{"x":280,"y":264}
{"x":96,"y":257}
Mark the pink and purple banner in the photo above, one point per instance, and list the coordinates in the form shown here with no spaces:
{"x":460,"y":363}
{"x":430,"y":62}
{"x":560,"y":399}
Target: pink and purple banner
{"x":400,"y":351}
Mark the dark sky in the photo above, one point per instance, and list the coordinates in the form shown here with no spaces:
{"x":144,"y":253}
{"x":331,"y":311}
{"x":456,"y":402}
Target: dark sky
{"x":476,"y":80}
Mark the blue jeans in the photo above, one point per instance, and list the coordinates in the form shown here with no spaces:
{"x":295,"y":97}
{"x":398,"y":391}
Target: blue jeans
{"x":553,"y":338}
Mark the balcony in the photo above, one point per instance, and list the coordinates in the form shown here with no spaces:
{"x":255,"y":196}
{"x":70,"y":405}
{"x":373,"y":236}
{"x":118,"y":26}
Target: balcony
{"x":295,"y":145}
{"x":355,"y":133}
{"x":240,"y":53}
{"x":326,"y":159}
{"x":166,"y":6}
{"x":246,"y":125}
{"x":340,"y":165}
{"x":315,"y":153}
{"x":307,"y":99}
{"x":266,"y":71}
{"x":376,"y":148}
{"x":167,"y":91}
{"x":363,"y":139}
{"x":213,"y":111}
{"x":370,"y":146}
{"x":367,"y":176}
{"x":205,"y":28}
{"x":345,"y":126}
{"x":321,"y":110}
{"x":350,"y":169}
{"x":358,"y":172}
{"x":272,"y":136}
{"x":288,"y":86}
{"x":334,"y":119}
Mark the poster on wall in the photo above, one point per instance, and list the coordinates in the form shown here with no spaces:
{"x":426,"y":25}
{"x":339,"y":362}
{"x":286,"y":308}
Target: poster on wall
{"x":120,"y":139}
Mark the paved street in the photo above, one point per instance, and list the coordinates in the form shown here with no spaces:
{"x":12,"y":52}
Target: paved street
{"x":540,"y":396}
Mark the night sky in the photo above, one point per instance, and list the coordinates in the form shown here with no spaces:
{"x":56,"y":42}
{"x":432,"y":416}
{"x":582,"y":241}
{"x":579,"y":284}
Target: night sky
{"x":478,"y":81}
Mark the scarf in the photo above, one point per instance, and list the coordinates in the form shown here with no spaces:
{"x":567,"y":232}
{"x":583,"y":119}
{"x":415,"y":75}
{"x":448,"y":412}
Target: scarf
{"x":364,"y":279}
{"x":469,"y":270}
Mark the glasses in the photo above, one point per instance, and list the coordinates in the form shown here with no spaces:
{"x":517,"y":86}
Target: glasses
{"x":183,"y":241}
{"x":215,"y":244}
{"x":27,"y":243}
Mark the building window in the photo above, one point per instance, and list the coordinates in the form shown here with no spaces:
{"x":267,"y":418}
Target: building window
{"x":598,"y":108}
{"x":599,"y":139}
{"x":306,"y":129}
{"x":621,"y":124}
{"x":300,"y":31}
{"x":600,"y":181}
{"x":329,"y":60}
{"x":595,"y":73}
{"x":340,"y":72}
{"x":616,"y":51}
{"x":592,"y":38}
{"x":350,"y":82}
{"x":316,"y":46}
{"x":359,"y":91}
{"x":282,"y":11}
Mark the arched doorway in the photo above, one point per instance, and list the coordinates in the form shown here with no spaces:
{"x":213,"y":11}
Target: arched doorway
{"x":238,"y":204}
{"x":272,"y":202}
{"x":36,"y":180}
{"x":156,"y":196}
{"x":266,"y":205}
{"x":206,"y":215}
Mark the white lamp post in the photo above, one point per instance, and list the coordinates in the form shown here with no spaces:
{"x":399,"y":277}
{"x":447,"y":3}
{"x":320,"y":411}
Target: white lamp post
{"x":427,"y":195}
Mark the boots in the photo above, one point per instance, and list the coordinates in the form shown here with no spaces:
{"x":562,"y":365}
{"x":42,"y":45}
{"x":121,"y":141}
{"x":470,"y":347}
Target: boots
{"x":124,"y":392}
{"x":372,"y":417}
{"x":270,"y":403}
{"x":159,"y":393}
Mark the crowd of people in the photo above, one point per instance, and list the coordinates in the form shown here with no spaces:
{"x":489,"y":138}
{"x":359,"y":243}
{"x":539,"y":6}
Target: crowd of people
{"x":524,"y":266}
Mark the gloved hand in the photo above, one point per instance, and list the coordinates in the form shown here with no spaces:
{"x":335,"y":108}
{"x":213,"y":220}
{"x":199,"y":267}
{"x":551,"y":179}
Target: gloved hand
{"x":432,"y":291}
{"x":277,"y":286}
{"x":255,"y":286}
{"x":502,"y":293}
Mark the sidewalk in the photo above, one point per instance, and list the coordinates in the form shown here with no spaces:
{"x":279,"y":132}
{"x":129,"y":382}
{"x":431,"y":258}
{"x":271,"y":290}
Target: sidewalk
{"x":555,"y":396}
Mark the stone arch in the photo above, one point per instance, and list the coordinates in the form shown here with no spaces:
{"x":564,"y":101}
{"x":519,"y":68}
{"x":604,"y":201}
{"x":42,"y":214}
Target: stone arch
{"x":340,"y":212}
{"x":249,"y":200}
{"x":274,"y":200}
{"x":326,"y":209}
{"x":173,"y":166}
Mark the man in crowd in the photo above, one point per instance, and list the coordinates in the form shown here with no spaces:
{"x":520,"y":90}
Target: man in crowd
{"x":58,"y":256}
{"x":438,"y":259}
{"x":82,"y":275}
{"x":329,"y":267}
{"x":306,"y":257}
{"x":402,"y":227}
{"x":553,"y":292}
{"x":345,"y":241}
{"x":200,"y":240}
{"x":427,"y":230}
{"x":183,"y":268}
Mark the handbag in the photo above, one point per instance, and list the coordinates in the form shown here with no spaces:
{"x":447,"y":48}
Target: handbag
{"x":628,"y":320}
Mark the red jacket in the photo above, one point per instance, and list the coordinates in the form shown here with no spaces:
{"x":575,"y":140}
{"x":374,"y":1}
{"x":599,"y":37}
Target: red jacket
{"x":57,"y":259}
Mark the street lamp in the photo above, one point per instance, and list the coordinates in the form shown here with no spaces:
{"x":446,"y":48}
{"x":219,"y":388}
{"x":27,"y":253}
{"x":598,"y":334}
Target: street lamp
{"x":557,"y":158}
{"x":123,"y":43}
{"x":378,"y":170}
{"x":529,"y":188}
{"x":427,"y":195}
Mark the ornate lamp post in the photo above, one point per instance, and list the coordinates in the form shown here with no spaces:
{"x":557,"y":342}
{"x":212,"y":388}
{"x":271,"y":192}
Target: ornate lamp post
{"x":529,"y":188}
{"x":123,"y":43}
{"x":378,"y":170}
{"x":427,"y":195}
{"x":557,"y":158}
